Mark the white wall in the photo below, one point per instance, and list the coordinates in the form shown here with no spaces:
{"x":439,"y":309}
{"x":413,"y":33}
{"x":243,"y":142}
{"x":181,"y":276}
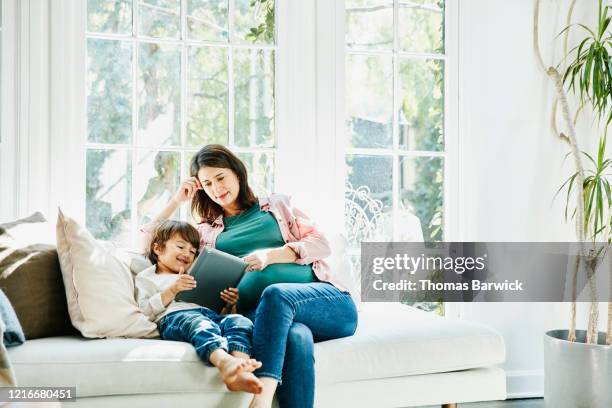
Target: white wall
{"x":512,"y":163}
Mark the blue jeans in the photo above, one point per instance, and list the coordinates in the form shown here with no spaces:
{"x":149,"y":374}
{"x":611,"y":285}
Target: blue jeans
{"x":208,"y":331}
{"x":289,"y":319}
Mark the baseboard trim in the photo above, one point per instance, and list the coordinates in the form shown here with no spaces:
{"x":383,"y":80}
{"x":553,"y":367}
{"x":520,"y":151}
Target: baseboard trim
{"x":525,"y":384}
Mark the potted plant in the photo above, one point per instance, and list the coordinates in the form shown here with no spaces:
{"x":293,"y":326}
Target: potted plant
{"x":578,"y":363}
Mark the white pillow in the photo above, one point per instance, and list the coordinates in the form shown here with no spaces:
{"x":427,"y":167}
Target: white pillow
{"x":99,"y":287}
{"x":134,"y":260}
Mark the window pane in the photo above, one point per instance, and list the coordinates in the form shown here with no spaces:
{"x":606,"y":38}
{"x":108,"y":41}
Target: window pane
{"x":159,"y":95}
{"x":208,"y":112}
{"x":254,"y":21}
{"x":421,"y":187}
{"x":160,"y":18}
{"x":254,"y":97}
{"x":421,"y":26}
{"x":108,"y":195}
{"x":207,"y":20}
{"x":260,"y":167}
{"x":421,"y":110}
{"x":369,"y":100}
{"x":158,"y":178}
{"x":109,"y":91}
{"x":368,"y":200}
{"x":109,"y":16}
{"x":369,"y":24}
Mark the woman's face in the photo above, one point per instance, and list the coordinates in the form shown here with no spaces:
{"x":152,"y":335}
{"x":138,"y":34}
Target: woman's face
{"x":220,"y":184}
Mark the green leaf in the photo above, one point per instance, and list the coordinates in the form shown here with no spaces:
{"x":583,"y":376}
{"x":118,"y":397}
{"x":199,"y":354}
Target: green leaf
{"x":587,"y":29}
{"x":590,"y":158}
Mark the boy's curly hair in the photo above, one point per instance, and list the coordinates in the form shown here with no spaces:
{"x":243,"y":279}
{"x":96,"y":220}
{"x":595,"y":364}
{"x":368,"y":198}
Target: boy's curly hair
{"x":166,"y":230}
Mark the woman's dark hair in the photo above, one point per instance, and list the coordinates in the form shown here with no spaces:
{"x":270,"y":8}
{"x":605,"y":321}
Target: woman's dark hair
{"x":166,"y":230}
{"x":215,"y":155}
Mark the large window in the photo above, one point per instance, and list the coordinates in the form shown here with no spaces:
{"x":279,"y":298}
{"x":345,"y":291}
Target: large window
{"x":165,"y":77}
{"x":395,"y":120}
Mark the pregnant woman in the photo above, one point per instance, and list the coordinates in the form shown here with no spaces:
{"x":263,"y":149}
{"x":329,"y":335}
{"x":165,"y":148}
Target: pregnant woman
{"x":290,"y":293}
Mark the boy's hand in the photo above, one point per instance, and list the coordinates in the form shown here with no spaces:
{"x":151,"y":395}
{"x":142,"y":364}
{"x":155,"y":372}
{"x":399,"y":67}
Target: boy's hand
{"x":230,"y":296}
{"x":183,"y":283}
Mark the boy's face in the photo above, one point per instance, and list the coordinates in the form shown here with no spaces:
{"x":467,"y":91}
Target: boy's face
{"x":178,"y":253}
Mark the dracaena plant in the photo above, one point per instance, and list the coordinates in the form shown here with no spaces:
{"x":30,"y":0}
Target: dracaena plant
{"x":589,"y":77}
{"x":589,"y":74}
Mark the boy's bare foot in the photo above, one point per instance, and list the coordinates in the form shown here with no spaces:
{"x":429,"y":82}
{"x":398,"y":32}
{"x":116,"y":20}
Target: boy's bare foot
{"x":237,"y":374}
{"x":247,"y":382}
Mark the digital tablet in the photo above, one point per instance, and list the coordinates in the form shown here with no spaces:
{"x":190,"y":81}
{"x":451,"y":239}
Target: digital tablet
{"x":213,"y":271}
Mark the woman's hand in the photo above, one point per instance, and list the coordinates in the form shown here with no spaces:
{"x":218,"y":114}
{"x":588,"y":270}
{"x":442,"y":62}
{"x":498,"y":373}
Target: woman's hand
{"x":187,"y":189}
{"x":230,"y":296}
{"x":258,"y":260}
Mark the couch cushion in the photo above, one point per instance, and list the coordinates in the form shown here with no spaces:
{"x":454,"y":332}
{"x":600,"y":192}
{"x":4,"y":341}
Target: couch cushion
{"x":395,"y":340}
{"x":113,"y":366}
{"x":30,"y":277}
{"x":392,"y":340}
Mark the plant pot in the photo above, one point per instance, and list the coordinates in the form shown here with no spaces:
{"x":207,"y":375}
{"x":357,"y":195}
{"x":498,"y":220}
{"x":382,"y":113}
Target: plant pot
{"x":577,"y":375}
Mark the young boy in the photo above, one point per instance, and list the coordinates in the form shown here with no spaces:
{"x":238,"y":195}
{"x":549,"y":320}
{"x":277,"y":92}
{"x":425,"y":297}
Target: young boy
{"x":222,"y":340}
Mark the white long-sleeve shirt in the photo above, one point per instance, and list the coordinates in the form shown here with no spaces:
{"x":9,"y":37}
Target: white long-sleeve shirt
{"x":149,"y":286}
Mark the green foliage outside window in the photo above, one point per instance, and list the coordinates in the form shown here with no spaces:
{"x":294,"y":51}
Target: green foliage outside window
{"x":110,"y":95}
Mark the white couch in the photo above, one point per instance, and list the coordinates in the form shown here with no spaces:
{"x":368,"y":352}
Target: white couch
{"x":399,"y":357}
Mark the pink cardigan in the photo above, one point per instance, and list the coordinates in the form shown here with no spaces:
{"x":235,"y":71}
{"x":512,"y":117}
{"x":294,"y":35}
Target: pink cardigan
{"x":298,"y":232}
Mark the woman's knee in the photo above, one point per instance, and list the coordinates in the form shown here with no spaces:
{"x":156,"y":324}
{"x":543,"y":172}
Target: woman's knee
{"x":274,"y":293}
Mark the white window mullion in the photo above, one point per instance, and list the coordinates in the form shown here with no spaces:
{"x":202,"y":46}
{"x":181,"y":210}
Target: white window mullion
{"x":454,"y":220}
{"x":230,"y":74}
{"x":135,"y":118}
{"x":395,"y":65}
{"x":184,"y":81}
{"x":178,"y":42}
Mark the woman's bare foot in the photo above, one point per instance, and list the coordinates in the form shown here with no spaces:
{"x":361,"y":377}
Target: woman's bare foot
{"x":264,"y":400}
{"x":237,"y":374}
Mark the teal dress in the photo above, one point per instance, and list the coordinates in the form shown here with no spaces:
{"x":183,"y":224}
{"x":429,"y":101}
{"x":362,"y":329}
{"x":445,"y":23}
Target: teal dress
{"x":247,"y":232}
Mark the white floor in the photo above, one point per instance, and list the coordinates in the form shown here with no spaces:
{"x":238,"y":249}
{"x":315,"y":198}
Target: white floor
{"x":515,"y":403}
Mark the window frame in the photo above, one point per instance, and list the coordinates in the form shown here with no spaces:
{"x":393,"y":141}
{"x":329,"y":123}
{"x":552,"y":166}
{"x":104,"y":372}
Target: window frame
{"x":331,"y":23}
{"x":449,"y":153}
{"x":183,"y":43}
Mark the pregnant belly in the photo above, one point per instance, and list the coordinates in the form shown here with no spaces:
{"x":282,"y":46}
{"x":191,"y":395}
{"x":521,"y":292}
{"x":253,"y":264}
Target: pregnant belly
{"x":253,"y":283}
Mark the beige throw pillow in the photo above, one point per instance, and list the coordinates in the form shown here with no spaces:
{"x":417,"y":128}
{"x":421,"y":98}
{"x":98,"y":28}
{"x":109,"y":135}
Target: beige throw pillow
{"x":99,"y":287}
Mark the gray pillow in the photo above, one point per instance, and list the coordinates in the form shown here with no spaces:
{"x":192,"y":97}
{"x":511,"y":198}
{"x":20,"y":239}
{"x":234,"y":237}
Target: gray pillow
{"x":13,"y":334}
